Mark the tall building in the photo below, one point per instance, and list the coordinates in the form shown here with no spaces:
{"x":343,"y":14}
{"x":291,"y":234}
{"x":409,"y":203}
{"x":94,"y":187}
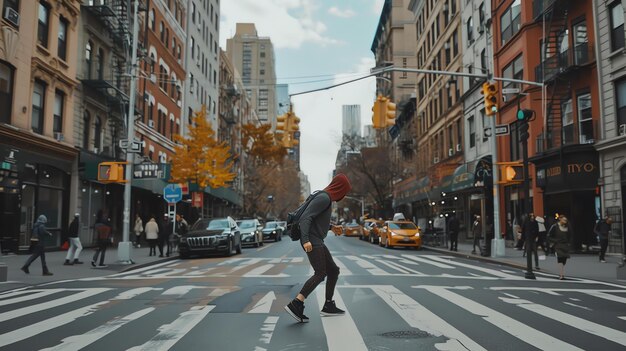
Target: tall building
{"x":38,"y":63}
{"x":611,"y":143}
{"x":369,"y":136}
{"x":282,"y":99}
{"x":253,"y":57}
{"x":351,"y":120}
{"x":202,"y":59}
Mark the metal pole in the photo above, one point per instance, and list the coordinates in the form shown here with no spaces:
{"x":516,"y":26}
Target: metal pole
{"x":124,"y":249}
{"x":528,"y":209}
{"x":497,"y":245}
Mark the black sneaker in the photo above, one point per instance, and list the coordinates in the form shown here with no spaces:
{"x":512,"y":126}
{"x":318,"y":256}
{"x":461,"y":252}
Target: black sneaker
{"x":93,"y":263}
{"x":330,"y":309}
{"x":67,"y":263}
{"x":296,"y":309}
{"x":25,"y":270}
{"x":76,"y":261}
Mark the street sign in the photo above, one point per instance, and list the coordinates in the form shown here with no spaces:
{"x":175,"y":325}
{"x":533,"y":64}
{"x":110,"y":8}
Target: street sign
{"x":151,"y":171}
{"x":197,"y":199}
{"x":502,"y":129}
{"x":172,"y":193}
{"x":510,"y":91}
{"x":134,"y":147}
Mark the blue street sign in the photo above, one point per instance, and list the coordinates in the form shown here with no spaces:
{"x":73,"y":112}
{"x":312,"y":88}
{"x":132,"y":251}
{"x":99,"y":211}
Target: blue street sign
{"x":172,"y":193}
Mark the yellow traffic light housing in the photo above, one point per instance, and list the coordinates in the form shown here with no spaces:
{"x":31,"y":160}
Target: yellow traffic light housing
{"x":294,"y":123}
{"x":489,"y":92}
{"x":376,"y":113}
{"x":390,"y":113}
{"x":286,"y":140}
{"x":111,"y":172}
{"x":511,"y":172}
{"x":281,"y":122}
{"x":384,"y":112}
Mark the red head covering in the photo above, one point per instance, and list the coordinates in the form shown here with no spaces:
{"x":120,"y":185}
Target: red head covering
{"x":338,"y":187}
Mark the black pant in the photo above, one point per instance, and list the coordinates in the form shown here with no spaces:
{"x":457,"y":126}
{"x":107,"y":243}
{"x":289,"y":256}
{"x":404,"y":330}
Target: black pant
{"x":604,"y":244}
{"x":101,"y":250}
{"x":531,"y":248}
{"x":477,"y":243}
{"x":38,"y":250}
{"x":162,"y":243}
{"x":153,"y":243}
{"x":324,"y":266}
{"x":454,"y":241}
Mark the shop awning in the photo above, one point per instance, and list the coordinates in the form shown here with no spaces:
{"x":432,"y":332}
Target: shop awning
{"x":411,"y":190}
{"x":462,"y":179}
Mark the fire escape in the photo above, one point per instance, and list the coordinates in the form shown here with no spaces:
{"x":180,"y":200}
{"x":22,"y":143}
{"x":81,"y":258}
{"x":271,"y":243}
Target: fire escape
{"x":560,"y":62}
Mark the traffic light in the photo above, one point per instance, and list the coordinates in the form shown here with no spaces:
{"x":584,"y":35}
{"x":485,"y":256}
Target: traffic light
{"x":524,"y":116}
{"x":294,"y":123}
{"x":491,"y":99}
{"x":111,"y":172}
{"x":511,"y":172}
{"x":281,"y":122}
{"x":384,"y":112}
{"x":376,"y":113}
{"x":286,"y":140}
{"x":390,"y":113}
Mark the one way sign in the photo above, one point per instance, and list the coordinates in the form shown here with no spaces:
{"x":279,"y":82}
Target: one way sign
{"x":502,"y":129}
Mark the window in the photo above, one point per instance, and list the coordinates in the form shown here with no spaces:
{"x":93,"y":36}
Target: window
{"x":567,"y":122}
{"x":62,"y":39}
{"x":162,"y":31}
{"x":262,"y":72}
{"x":510,"y":22}
{"x":483,"y":61}
{"x":620,"y":96}
{"x":513,"y":70}
{"x":100,"y":64}
{"x":86,"y":129}
{"x":97,"y":134}
{"x":455,"y":44}
{"x":39,"y":90}
{"x":481,"y":14}
{"x":167,"y":37}
{"x":150,"y":111}
{"x":88,"y":58}
{"x":12,"y":4}
{"x":585,"y":121}
{"x":57,"y":123}
{"x":617,"y":25}
{"x":470,"y":31}
{"x":152,"y":20}
{"x":42,"y":26}
{"x":6,"y":92}
{"x":471,"y":126}
{"x":581,"y":52}
{"x":193,"y":12}
{"x":262,"y":54}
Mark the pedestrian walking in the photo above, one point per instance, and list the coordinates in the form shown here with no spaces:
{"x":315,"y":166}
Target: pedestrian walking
{"x":314,"y":225}
{"x":530,"y":231}
{"x":602,"y":230}
{"x":103,"y":238}
{"x":559,"y":236}
{"x":75,"y":245}
{"x":477,"y":231}
{"x":37,"y":247}
{"x":165,"y":230}
{"x":138,"y":229}
{"x":453,"y":232}
{"x":180,"y":230}
{"x":519,"y":235}
{"x":543,"y":235}
{"x":152,"y":235}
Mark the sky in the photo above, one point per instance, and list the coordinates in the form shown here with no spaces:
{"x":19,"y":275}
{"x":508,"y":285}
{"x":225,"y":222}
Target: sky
{"x":317,"y":43}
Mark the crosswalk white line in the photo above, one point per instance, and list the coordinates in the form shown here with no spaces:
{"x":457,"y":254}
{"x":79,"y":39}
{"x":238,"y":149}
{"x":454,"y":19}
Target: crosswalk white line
{"x":341,"y":331}
{"x":343,"y":270}
{"x":297,"y":260}
{"x":622,"y":317}
{"x":259,"y":272}
{"x":200,"y":272}
{"x":48,"y":324}
{"x":50,"y":304}
{"x":611,"y":334}
{"x":605,"y":296}
{"x":398,"y":267}
{"x":267,"y":330}
{"x":140,"y":270}
{"x":512,"y":326}
{"x":77,"y":342}
{"x":170,"y":334}
{"x":427,"y":261}
{"x":132,"y":293}
{"x":35,"y":295}
{"x":181,"y":290}
{"x":478,"y":268}
{"x":369,"y":266}
{"x":244,"y":264}
{"x":12,"y":293}
{"x":418,"y":316}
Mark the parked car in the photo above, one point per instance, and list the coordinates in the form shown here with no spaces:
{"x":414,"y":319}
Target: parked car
{"x":352,"y":229}
{"x":283,"y":226}
{"x":400,"y":233}
{"x":208,"y":236}
{"x":370,"y":230}
{"x":272,"y":230}
{"x":251,"y":232}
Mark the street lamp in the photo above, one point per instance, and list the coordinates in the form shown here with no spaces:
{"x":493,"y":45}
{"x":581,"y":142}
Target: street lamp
{"x":362,"y":204}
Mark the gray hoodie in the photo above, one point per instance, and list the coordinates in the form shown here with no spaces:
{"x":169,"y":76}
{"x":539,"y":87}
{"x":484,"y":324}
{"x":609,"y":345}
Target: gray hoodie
{"x":39,"y":228}
{"x":315,"y":220}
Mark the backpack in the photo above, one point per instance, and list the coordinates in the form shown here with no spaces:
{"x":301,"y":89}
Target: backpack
{"x":293,"y":218}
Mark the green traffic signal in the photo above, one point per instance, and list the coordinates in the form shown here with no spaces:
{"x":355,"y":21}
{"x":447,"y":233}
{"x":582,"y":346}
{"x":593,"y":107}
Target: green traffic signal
{"x":524,"y":115}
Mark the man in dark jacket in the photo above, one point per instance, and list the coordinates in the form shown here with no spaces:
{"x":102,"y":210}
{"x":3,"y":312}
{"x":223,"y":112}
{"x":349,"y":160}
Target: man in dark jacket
{"x":165,"y":230}
{"x":530,"y":231}
{"x":314,"y":225}
{"x":75,"y":246}
{"x":453,"y":232}
{"x":103,"y":236}
{"x":602,"y":230}
{"x":37,"y":246}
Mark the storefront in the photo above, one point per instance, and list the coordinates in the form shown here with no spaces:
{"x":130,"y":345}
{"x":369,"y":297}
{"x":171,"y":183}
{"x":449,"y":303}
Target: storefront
{"x":569,"y":180}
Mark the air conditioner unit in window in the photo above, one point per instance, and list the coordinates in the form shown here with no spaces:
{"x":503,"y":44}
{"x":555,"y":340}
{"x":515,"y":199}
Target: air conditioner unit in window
{"x":446,"y":46}
{"x":151,"y":123}
{"x":458,"y":147}
{"x":450,"y":152}
{"x":436,"y":160}
{"x":58,"y":136}
{"x":622,"y":129}
{"x":12,"y":16}
{"x":481,"y":28}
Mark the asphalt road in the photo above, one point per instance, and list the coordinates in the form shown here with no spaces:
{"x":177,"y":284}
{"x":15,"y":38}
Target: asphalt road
{"x":395,"y":299}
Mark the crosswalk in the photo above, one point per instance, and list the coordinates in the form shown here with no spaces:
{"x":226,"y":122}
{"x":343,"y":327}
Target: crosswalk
{"x":188,"y":316}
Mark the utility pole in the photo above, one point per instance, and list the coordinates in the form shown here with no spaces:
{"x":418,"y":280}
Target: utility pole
{"x":124,"y":249}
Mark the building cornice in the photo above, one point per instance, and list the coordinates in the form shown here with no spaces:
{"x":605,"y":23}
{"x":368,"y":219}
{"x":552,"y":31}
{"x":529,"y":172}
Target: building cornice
{"x":25,"y":139}
{"x":610,"y":144}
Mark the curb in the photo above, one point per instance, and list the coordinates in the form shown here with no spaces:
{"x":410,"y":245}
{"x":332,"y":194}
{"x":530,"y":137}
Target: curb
{"x":477,"y":257}
{"x":147,"y":264}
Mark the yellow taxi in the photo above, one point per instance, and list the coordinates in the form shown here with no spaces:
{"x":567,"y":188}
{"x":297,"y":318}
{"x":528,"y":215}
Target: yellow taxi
{"x":400,"y":233}
{"x":352,"y":229}
{"x":370,"y":230}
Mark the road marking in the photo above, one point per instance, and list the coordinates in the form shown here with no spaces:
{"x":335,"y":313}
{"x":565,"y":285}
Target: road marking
{"x":400,"y":267}
{"x":170,"y":334}
{"x":179,"y":291}
{"x":430,"y":262}
{"x":575,"y":305}
{"x":275,"y":260}
{"x":48,"y":324}
{"x":243,"y":265}
{"x":139,"y":270}
{"x":493,"y":272}
{"x":341,"y":331}
{"x":343,"y":270}
{"x":37,"y":294}
{"x":267,"y":329}
{"x":518,"y":329}
{"x":297,"y":260}
{"x":622,"y":317}
{"x":199,"y":272}
{"x":20,"y":291}
{"x":50,"y":304}
{"x":604,"y":295}
{"x":265,"y":304}
{"x":599,"y":293}
{"x":258,"y":272}
{"x":77,"y":342}
{"x":130,"y":294}
{"x":369,"y":266}
{"x":218,"y":292}
{"x":611,"y":334}
{"x":418,"y":316}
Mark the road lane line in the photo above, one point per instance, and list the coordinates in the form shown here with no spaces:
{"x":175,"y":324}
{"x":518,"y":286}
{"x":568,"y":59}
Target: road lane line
{"x":343,"y":270}
{"x":509,"y":325}
{"x":341,"y":332}
{"x":50,"y":304}
{"x":605,"y":296}
{"x":132,"y":293}
{"x":579,"y":306}
{"x":77,"y":342}
{"x":181,"y":290}
{"x":369,"y":266}
{"x":140,"y":270}
{"x":265,"y":303}
{"x":47,"y":324}
{"x":297,"y":260}
{"x":622,"y":317}
{"x":418,"y":316}
{"x":493,"y":272}
{"x":170,"y":334}
{"x":36,"y":295}
{"x":267,"y":329}
{"x":430,"y":262}
{"x":258,"y":272}
{"x":399,"y":267}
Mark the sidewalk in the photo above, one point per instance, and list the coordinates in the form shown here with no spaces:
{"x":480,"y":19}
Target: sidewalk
{"x":586,"y":266}
{"x":55,"y":259}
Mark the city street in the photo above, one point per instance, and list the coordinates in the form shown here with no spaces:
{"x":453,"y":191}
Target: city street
{"x":395,"y":299}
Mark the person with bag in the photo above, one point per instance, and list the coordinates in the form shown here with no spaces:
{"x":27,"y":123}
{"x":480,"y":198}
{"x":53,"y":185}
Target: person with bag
{"x":543,"y":237}
{"x":75,"y":245}
{"x":37,"y":247}
{"x":477,"y":231}
{"x":453,"y":232}
{"x":152,"y":235}
{"x":103,"y":238}
{"x":559,"y":236}
{"x":602,"y":230}
{"x":138,"y":229}
{"x":530,"y":231}
{"x":314,"y":225}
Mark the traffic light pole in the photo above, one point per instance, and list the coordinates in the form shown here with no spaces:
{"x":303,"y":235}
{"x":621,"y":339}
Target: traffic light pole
{"x":124,"y":248}
{"x":497,"y":244}
{"x":529,"y":246}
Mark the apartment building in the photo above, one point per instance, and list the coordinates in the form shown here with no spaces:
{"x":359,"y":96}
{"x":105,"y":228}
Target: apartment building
{"x":38,"y":63}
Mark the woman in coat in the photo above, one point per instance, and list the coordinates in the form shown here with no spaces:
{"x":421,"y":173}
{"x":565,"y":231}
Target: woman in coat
{"x":152,"y":235}
{"x":559,"y":236}
{"x":138,"y":229}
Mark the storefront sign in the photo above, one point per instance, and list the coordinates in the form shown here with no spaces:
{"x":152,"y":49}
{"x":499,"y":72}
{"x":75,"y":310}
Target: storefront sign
{"x":197,"y":199}
{"x":151,"y":170}
{"x":577,"y":171}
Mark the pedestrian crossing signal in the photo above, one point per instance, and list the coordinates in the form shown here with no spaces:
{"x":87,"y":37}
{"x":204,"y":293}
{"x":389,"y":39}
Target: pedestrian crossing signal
{"x":511,"y":172}
{"x":111,"y":172}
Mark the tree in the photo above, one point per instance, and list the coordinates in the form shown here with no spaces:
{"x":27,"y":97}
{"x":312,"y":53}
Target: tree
{"x":261,"y":144}
{"x":201,"y":159}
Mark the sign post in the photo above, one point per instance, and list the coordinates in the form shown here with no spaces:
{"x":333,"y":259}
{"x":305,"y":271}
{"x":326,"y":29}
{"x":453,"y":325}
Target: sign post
{"x":172,"y":193}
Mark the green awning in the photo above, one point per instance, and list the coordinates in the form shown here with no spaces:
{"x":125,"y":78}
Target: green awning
{"x":462,"y":179}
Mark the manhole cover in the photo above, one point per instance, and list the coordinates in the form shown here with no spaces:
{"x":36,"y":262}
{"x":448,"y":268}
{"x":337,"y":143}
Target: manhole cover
{"x":406,"y":334}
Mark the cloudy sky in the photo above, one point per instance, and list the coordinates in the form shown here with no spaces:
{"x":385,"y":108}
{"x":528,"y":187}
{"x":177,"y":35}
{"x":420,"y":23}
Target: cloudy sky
{"x":317,"y":43}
